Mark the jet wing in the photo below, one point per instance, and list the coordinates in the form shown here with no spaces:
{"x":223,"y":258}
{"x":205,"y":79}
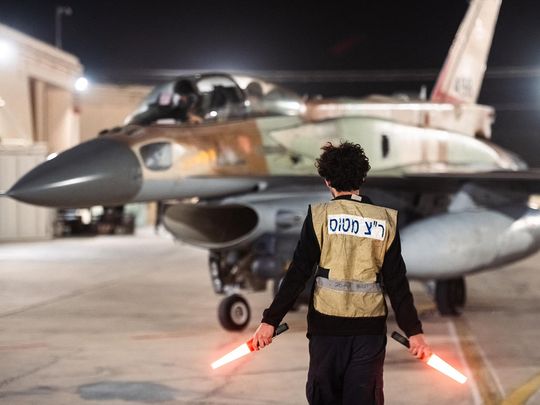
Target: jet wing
{"x":526,"y":181}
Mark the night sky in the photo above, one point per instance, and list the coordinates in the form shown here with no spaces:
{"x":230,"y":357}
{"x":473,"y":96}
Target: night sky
{"x":126,"y":41}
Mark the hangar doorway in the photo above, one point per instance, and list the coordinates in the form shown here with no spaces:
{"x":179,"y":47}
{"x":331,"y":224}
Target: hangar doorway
{"x":54,"y":121}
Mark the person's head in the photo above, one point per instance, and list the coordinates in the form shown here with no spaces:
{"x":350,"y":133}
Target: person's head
{"x":184,"y":87}
{"x":186,"y":93}
{"x":344,"y":167}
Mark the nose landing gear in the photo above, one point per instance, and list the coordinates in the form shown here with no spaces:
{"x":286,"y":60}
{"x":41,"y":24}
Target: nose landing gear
{"x":234,"y":313}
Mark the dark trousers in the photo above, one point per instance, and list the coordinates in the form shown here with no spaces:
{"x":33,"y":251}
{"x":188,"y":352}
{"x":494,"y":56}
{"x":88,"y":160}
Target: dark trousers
{"x":346,"y":370}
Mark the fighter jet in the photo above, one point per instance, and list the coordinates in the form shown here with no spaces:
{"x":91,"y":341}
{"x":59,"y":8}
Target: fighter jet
{"x":233,"y":157}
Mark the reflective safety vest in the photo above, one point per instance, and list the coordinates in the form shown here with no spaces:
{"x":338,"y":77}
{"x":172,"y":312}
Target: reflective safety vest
{"x":353,"y":237}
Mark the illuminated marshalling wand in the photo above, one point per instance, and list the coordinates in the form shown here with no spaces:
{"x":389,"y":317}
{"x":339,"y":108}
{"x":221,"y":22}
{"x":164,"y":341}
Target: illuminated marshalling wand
{"x":435,"y":361}
{"x":244,"y":349}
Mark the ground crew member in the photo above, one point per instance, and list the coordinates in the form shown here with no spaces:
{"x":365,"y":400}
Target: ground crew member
{"x":357,"y":250}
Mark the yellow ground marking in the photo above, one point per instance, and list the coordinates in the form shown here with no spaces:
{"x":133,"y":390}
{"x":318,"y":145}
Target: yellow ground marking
{"x":520,"y":395}
{"x":481,"y":374}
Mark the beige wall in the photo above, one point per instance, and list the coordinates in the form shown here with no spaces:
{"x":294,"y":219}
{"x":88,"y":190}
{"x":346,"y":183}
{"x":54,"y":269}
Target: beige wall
{"x":15,"y":116}
{"x":20,"y":221}
{"x":104,"y":106}
{"x":62,"y":123}
{"x":36,"y":83}
{"x":37,"y":117}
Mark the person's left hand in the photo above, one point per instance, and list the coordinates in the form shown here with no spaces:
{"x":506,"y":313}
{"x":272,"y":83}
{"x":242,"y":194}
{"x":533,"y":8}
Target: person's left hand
{"x":418,"y":347}
{"x":262,"y":336}
{"x":194,"y":119}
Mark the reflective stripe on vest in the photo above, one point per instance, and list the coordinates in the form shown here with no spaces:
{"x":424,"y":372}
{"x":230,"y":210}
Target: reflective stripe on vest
{"x":349,"y":286}
{"x":353,"y":238}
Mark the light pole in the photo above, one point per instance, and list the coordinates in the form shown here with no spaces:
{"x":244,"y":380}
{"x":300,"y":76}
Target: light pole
{"x":60,"y":11}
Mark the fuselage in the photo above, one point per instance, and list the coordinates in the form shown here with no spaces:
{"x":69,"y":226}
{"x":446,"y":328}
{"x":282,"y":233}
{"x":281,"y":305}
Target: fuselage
{"x":158,"y":162}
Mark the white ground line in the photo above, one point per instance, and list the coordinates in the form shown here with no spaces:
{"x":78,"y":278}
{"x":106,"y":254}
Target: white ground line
{"x":491,"y":369}
{"x":475,"y":392}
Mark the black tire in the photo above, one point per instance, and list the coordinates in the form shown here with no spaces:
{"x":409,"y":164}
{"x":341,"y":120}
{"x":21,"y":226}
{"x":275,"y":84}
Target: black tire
{"x":460,"y":291}
{"x":446,"y":297}
{"x":234,"y":313}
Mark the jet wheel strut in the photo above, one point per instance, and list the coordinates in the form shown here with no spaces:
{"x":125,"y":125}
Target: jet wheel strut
{"x":234,"y":313}
{"x":450,"y":295}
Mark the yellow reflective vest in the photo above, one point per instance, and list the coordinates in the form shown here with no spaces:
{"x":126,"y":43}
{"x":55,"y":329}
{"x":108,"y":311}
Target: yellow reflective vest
{"x":353,"y":238}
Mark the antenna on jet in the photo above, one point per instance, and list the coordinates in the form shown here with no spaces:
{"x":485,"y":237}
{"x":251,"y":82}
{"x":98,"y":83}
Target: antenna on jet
{"x":423,"y":93}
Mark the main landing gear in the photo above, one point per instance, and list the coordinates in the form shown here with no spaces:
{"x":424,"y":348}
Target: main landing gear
{"x":450,"y":296}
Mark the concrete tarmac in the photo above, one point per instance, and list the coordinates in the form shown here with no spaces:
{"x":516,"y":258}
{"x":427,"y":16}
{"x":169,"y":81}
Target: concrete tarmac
{"x":132,"y":319}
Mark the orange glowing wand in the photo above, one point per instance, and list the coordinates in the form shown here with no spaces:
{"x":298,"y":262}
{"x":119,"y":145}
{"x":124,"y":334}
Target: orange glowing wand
{"x":435,"y":361}
{"x":244,"y":349}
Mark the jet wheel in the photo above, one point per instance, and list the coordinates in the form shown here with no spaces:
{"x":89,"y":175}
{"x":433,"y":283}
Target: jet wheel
{"x":460,"y":291}
{"x":450,"y":295}
{"x":234,"y":313}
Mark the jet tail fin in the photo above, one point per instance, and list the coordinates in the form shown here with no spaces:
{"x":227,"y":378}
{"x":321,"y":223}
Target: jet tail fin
{"x":463,"y":71}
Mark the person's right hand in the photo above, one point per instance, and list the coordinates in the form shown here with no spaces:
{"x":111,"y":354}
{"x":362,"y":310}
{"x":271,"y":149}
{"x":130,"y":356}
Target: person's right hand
{"x":262,"y":336}
{"x":418,"y":347}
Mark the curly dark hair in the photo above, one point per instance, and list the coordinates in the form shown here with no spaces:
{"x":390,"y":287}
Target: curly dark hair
{"x":345,"y":166}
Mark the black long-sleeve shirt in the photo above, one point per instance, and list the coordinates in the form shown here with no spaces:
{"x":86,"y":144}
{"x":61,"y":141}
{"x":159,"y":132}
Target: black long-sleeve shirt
{"x":305,"y":259}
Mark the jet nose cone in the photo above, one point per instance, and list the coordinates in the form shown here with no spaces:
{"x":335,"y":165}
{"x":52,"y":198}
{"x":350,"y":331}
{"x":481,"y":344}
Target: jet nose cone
{"x":98,"y":172}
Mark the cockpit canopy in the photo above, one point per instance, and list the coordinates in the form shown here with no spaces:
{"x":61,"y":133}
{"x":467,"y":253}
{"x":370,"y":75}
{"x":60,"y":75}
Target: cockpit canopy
{"x":214,"y":98}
